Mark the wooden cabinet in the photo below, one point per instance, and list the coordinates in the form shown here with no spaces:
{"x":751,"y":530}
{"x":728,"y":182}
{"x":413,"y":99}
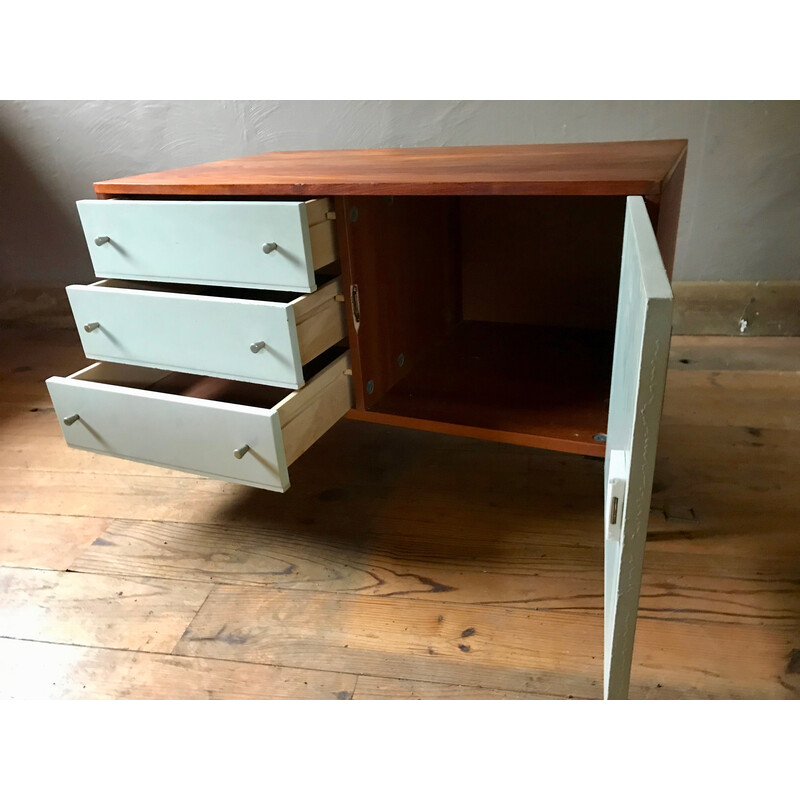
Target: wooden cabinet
{"x":518,"y":294}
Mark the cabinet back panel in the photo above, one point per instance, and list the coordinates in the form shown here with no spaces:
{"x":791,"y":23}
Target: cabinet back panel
{"x":541,"y":260}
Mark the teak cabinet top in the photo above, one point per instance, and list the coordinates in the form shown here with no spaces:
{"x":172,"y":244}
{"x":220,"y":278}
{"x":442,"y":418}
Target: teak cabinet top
{"x":605,"y":168}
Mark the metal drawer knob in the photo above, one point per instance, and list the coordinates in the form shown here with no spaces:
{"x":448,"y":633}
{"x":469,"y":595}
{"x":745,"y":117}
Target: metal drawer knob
{"x":71,"y":419}
{"x":256,"y":346}
{"x":241,"y":451}
{"x":92,"y":326}
{"x":101,"y":240}
{"x":268,"y":247}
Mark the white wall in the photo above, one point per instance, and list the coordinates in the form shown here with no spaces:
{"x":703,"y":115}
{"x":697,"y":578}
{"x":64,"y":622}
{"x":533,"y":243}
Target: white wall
{"x":741,"y":210}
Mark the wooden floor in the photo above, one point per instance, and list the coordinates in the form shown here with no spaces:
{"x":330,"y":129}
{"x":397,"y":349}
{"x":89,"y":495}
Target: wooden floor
{"x":403,"y":564}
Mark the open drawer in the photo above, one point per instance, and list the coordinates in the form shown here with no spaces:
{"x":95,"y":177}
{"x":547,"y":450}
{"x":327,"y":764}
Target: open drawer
{"x":271,"y":244}
{"x":240,"y":334}
{"x":232,"y":431}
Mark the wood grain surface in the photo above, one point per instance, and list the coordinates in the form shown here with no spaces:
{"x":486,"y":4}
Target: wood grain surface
{"x":125,"y":580}
{"x":38,"y":670}
{"x":482,"y":381}
{"x":620,"y":168}
{"x":402,"y":255}
{"x":738,"y":308}
{"x":542,"y":260}
{"x":100,"y":610}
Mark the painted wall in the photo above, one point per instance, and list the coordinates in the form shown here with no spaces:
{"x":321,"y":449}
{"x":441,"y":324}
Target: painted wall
{"x":741,"y":210}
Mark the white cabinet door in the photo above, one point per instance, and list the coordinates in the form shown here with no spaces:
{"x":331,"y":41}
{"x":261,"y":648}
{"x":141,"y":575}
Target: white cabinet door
{"x":641,"y":350}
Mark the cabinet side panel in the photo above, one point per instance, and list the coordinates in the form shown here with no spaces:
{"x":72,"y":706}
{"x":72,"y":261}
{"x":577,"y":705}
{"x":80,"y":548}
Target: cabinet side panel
{"x":402,"y":254}
{"x":669,"y":213}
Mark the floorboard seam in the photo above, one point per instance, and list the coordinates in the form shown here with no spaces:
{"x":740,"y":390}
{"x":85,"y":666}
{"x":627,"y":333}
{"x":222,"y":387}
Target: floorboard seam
{"x":264,"y":664}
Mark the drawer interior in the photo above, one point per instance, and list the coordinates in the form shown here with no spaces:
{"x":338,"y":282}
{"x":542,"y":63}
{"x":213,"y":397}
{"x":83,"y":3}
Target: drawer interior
{"x":202,"y":387}
{"x":487,"y":316}
{"x":225,"y":292}
{"x":201,"y":425}
{"x":303,"y":414}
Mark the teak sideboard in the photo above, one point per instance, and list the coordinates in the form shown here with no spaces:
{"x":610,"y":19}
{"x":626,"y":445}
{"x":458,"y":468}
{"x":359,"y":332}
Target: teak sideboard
{"x":514,"y":293}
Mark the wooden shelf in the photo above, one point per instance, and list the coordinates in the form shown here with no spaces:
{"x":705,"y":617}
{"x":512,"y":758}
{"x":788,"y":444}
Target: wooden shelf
{"x":524,"y":384}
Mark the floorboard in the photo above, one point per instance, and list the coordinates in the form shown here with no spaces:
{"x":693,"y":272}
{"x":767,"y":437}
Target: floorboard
{"x":42,"y":671}
{"x":99,"y":610}
{"x":46,"y":542}
{"x":403,"y":564}
{"x":495,"y":648}
{"x":369,"y":688}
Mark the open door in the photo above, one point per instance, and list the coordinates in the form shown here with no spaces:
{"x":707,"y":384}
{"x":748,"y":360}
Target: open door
{"x":641,"y":350}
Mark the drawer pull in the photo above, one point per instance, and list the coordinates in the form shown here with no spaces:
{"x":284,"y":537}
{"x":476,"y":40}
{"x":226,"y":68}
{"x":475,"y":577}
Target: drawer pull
{"x":71,"y":419}
{"x":241,"y":451}
{"x":268,"y":247}
{"x":92,"y":326}
{"x":256,"y":346}
{"x":101,"y":240}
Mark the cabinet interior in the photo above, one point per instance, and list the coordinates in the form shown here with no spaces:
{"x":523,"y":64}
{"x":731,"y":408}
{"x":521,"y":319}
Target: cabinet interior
{"x":223,"y":292}
{"x":486,"y":316}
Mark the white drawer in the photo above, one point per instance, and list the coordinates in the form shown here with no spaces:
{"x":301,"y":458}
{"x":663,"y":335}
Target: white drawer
{"x":232,"y":431}
{"x":241,"y":334}
{"x":215,"y":242}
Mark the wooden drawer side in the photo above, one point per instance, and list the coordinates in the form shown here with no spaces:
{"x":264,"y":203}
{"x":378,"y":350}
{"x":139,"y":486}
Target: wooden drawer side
{"x":322,"y":231}
{"x":320,"y":320}
{"x":323,"y":244}
{"x":307,"y":414}
{"x":319,"y":210}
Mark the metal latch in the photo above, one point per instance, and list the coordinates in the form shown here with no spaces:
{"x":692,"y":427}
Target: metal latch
{"x":615,"y":496}
{"x":616,"y":491}
{"x":354,"y":306}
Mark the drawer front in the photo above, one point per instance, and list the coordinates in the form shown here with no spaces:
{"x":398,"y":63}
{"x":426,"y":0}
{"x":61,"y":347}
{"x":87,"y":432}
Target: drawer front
{"x":210,"y":242}
{"x":193,"y":434}
{"x":249,"y":340}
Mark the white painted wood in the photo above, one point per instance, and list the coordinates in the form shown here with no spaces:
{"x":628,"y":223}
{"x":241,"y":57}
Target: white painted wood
{"x":641,"y":350}
{"x":185,"y":433}
{"x":198,"y":435}
{"x":206,"y":335}
{"x":211,"y":242}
